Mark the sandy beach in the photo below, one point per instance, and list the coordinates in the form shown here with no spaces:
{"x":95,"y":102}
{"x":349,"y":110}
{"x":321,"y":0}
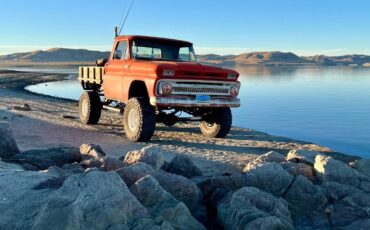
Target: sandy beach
{"x":54,"y":122}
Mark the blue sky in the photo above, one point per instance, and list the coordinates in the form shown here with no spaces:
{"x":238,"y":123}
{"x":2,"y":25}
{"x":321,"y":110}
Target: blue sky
{"x":330,"y":27}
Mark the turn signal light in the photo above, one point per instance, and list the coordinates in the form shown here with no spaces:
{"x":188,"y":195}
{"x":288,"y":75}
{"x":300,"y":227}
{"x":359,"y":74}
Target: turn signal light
{"x":166,"y":88}
{"x":234,"y":91}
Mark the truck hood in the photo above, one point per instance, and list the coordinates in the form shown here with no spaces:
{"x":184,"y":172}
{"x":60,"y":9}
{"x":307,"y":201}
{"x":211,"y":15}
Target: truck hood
{"x":184,"y":70}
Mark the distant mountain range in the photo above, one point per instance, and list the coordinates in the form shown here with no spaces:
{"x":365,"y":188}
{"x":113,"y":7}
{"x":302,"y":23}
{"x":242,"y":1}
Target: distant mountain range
{"x":284,"y":59}
{"x":246,"y":59}
{"x":56,"y":55}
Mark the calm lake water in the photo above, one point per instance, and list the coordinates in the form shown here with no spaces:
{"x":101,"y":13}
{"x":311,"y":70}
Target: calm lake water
{"x":329,"y":106}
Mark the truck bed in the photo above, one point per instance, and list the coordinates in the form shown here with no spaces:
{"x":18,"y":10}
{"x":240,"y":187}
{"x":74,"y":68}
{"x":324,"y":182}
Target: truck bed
{"x":91,"y":74}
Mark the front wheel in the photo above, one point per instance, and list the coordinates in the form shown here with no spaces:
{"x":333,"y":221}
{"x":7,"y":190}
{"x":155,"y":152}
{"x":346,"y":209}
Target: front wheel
{"x":139,"y":120}
{"x":90,"y":107}
{"x":217,"y":123}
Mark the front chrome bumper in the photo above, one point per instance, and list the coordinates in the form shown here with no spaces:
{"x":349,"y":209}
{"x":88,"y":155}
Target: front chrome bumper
{"x":191,"y":102}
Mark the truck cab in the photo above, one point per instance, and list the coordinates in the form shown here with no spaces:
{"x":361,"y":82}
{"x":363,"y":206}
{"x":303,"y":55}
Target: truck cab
{"x":153,"y":80}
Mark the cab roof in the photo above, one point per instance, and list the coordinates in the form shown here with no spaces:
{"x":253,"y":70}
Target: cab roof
{"x":130,"y":37}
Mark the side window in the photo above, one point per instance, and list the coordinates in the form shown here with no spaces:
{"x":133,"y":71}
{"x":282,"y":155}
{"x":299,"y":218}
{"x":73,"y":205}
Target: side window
{"x":184,"y":54}
{"x":121,"y":51}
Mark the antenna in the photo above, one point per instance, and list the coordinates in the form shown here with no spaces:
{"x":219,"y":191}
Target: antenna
{"x":127,"y":14}
{"x":115,"y":31}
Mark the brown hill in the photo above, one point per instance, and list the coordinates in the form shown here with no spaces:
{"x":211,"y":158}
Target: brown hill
{"x":256,"y":58}
{"x":57,"y":55}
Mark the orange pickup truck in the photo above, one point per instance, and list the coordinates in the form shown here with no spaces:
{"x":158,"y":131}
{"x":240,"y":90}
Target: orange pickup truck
{"x":152,"y":80}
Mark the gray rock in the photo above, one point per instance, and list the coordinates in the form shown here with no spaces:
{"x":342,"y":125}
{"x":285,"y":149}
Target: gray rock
{"x":304,"y":197}
{"x":270,"y":177}
{"x":267,"y":157}
{"x":32,"y":162}
{"x":303,"y":156}
{"x":307,"y":204}
{"x":363,"y":166}
{"x":110,"y":164}
{"x":10,"y":167}
{"x":348,"y":204}
{"x":162,"y":205}
{"x":271,"y":157}
{"x":66,"y":170}
{"x":183,"y":165}
{"x":182,"y":188}
{"x":58,"y":155}
{"x":91,"y":163}
{"x":296,"y":169}
{"x":19,"y":201}
{"x":363,"y":224}
{"x":251,"y":208}
{"x":150,"y":155}
{"x":8,"y":146}
{"x":329,"y":169}
{"x":91,"y":151}
{"x":95,"y":199}
{"x":230,"y":183}
{"x":132,"y":173}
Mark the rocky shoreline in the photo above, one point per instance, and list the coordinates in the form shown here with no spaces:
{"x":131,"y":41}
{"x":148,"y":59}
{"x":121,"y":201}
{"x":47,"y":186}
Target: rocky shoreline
{"x":57,"y":174}
{"x":69,"y":188}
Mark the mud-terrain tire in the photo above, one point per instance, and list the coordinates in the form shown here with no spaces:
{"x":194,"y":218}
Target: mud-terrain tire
{"x":217,"y":124}
{"x":90,"y":107}
{"x":139,"y":120}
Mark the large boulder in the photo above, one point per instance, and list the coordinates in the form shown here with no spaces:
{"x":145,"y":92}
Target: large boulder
{"x":363,"y":166}
{"x":271,"y":156}
{"x":95,"y":199}
{"x":296,"y":169}
{"x":110,"y":164}
{"x":348,"y":204}
{"x":91,"y":151}
{"x":32,"y":162}
{"x":302,"y":156}
{"x":21,"y":201}
{"x":8,"y":146}
{"x":307,"y":203}
{"x":10,"y":167}
{"x":162,"y":205}
{"x":251,"y":208}
{"x":329,"y":169}
{"x":267,"y":157}
{"x":230,"y":183}
{"x":66,"y":170}
{"x":150,"y":155}
{"x":183,"y":165}
{"x":363,"y":224}
{"x":132,"y":173}
{"x":270,"y":177}
{"x":58,"y":155}
{"x":182,"y":188}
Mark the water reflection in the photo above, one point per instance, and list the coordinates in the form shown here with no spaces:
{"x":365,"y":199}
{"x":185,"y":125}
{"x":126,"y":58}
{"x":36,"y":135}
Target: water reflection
{"x":325,"y":105}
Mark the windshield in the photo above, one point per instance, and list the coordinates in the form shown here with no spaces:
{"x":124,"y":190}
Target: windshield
{"x":160,"y":50}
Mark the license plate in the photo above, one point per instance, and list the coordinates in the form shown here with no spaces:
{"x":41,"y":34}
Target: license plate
{"x":203,"y":98}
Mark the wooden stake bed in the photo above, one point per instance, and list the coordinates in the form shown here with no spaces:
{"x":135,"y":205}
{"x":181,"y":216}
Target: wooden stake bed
{"x":91,"y":74}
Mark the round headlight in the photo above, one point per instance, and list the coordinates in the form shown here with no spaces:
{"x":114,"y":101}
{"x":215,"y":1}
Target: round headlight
{"x":234,"y":91}
{"x":166,"y":88}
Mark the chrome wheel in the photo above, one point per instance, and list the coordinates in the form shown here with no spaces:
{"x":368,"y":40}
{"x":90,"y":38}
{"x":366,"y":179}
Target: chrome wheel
{"x":133,"y":119}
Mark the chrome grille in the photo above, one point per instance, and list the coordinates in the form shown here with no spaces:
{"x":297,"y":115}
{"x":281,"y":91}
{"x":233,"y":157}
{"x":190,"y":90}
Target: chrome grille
{"x":201,"y":87}
{"x":197,"y":90}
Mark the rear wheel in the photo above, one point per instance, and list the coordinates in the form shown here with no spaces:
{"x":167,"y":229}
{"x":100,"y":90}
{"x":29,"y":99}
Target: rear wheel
{"x":216,"y":124}
{"x":90,"y":107}
{"x":139,"y":120}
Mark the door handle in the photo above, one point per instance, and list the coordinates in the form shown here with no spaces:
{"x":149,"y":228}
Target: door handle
{"x":126,"y":66}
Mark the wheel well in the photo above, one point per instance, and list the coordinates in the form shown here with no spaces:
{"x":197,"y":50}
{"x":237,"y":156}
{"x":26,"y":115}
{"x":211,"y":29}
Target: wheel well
{"x":138,"y":89}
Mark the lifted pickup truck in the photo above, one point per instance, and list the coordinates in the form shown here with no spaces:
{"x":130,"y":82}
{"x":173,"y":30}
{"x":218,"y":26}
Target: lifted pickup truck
{"x":153,"y":80}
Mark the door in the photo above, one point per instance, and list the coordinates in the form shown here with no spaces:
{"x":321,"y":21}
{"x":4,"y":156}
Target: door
{"x":115,"y":72}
